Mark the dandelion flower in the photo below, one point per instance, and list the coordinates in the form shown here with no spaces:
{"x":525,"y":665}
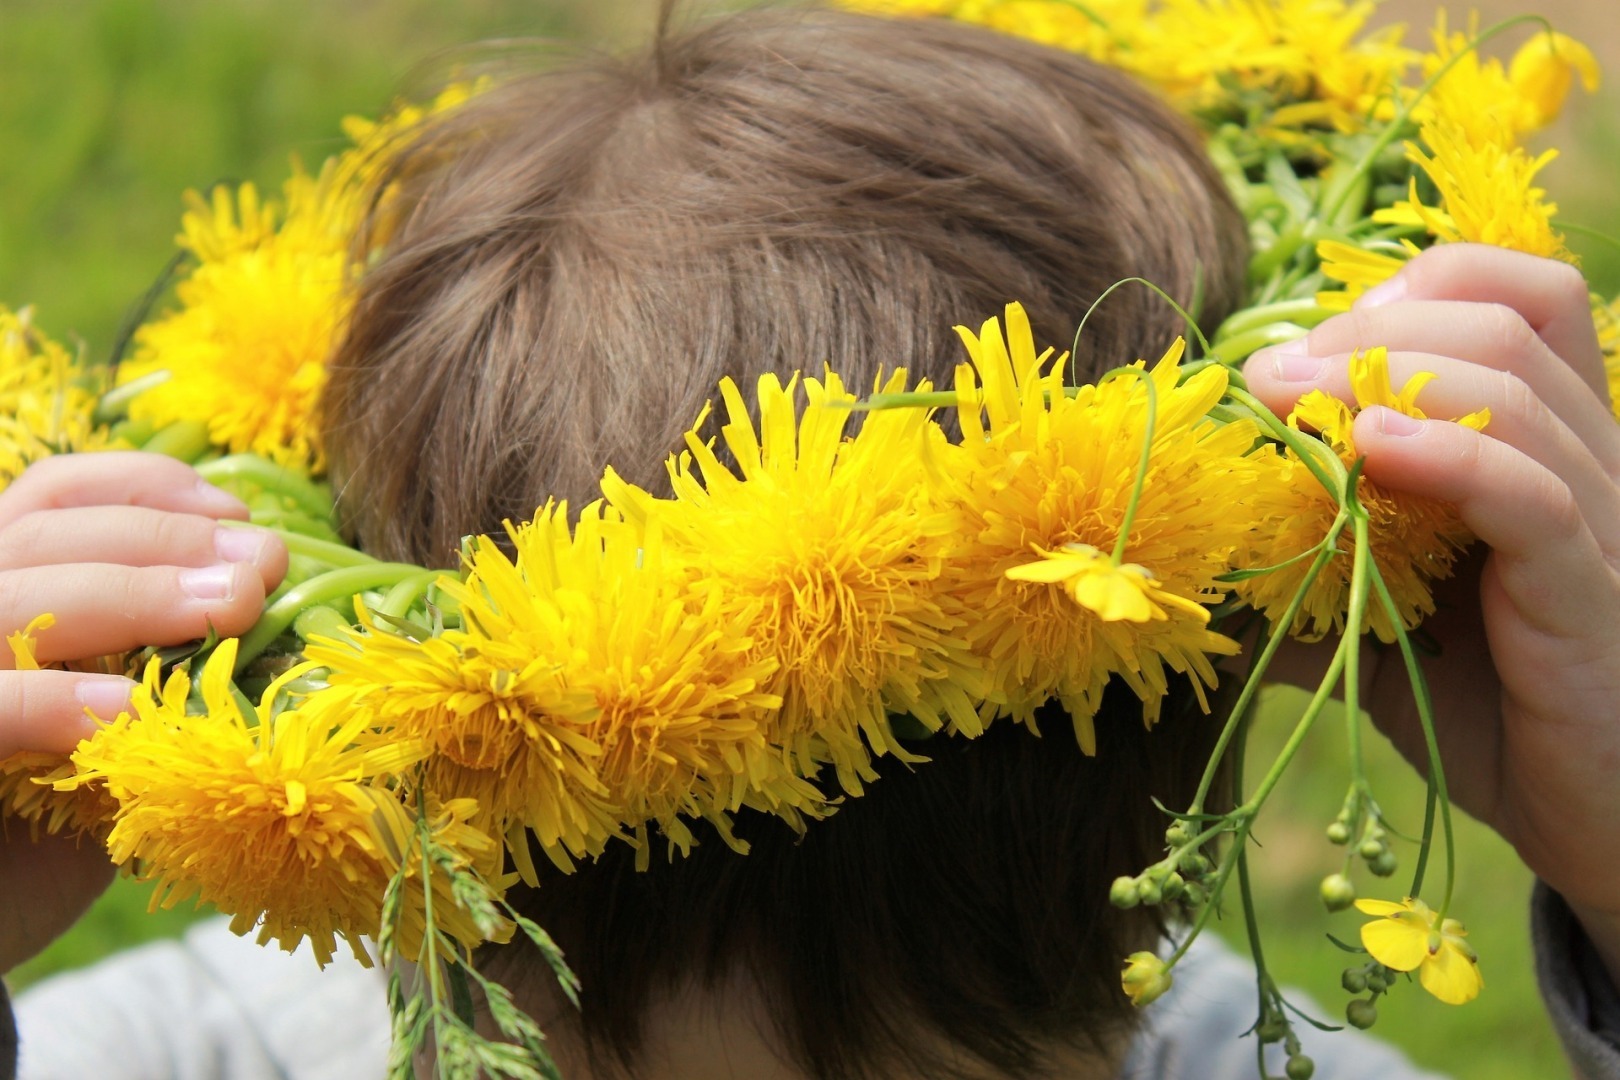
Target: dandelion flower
{"x":1487,"y":193}
{"x":1414,"y":540}
{"x":1042,"y":481}
{"x":1544,"y":69}
{"x":274,"y":823}
{"x":1358,"y":269}
{"x":27,"y":779}
{"x":836,"y":551}
{"x":45,"y":407}
{"x":1410,"y":937}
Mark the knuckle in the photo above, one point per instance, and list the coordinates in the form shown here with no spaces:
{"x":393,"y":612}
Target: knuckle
{"x":1518,"y":399}
{"x":1568,"y":286}
{"x":1507,"y":328}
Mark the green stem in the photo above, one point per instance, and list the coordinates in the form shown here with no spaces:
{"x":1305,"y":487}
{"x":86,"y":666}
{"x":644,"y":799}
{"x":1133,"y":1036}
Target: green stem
{"x":1244,"y":815}
{"x":1192,"y":324}
{"x":1354,"y":617}
{"x":1235,"y":350}
{"x":1323,"y":463}
{"x":114,"y":404}
{"x":333,"y":585}
{"x":1279,"y":633}
{"x":1303,"y":310}
{"x":323,"y":550}
{"x":1144,"y":459}
{"x":273,"y":478}
{"x":186,"y":440}
{"x":1437,"y":772}
{"x":400,"y":599}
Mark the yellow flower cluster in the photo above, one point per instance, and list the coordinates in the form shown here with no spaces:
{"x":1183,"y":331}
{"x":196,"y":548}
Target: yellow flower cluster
{"x":47,"y":403}
{"x":264,"y":303}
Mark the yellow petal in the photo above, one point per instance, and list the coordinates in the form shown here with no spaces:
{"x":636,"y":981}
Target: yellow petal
{"x":1113,"y":596}
{"x":1396,"y":944}
{"x":1451,"y":976}
{"x":1379,"y":907}
{"x":1049,"y":570}
{"x":1544,"y":68}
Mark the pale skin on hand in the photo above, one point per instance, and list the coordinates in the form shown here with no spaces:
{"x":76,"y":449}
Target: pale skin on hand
{"x":125,"y":550}
{"x":1527,"y":686}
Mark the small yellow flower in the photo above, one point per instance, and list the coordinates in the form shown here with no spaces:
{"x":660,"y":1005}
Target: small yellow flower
{"x":1145,"y":978}
{"x":1406,"y":937}
{"x":1113,"y":593}
{"x":1358,"y":269}
{"x":1543,"y":70}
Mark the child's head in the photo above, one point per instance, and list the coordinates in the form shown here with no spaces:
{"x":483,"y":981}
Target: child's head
{"x":589,"y":251}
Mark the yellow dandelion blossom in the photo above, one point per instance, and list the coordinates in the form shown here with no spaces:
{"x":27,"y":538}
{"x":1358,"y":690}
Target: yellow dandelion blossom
{"x":1414,"y":540}
{"x":45,"y":406}
{"x":1043,"y":478}
{"x":1607,"y":318}
{"x":1487,"y":193}
{"x":1410,"y":936}
{"x":504,"y":729}
{"x":1313,"y":55}
{"x":1358,"y":269}
{"x":1491,"y":103}
{"x":836,"y":547}
{"x":273,"y":823}
{"x":27,"y":779}
{"x":257,"y":318}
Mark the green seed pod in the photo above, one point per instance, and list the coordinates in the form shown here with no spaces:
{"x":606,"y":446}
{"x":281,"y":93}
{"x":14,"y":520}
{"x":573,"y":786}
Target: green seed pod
{"x":1124,"y":893}
{"x":1338,"y":833}
{"x":1337,"y":892}
{"x":1300,"y":1067}
{"x":1361,"y":1013}
{"x":1354,"y":980}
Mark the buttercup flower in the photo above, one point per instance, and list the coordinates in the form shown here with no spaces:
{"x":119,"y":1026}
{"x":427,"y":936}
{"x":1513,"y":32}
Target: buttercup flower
{"x":1145,"y":978}
{"x":1409,"y":937}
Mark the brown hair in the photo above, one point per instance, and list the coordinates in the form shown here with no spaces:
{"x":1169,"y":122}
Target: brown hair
{"x":590,"y":249}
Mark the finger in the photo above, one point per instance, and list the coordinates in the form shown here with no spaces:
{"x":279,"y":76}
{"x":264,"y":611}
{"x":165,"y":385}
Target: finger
{"x":1519,"y":418}
{"x":137,"y":536}
{"x":102,"y":608}
{"x":1552,"y":297}
{"x":116,"y":478}
{"x":1489,"y":335}
{"x":1549,"y":562}
{"x":46,"y":711}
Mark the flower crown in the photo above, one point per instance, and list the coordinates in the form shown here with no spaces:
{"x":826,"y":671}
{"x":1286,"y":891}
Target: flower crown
{"x":758,"y":637}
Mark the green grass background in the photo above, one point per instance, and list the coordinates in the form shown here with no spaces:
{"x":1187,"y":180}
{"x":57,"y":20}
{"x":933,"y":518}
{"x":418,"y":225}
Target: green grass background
{"x":110,"y":108}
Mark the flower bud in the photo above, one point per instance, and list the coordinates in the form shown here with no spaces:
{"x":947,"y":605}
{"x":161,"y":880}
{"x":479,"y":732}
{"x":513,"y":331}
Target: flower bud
{"x":1150,"y":891}
{"x":1275,"y":1029}
{"x":1299,"y":1067}
{"x":1385,"y":865}
{"x":1195,"y":864}
{"x":1124,"y":893}
{"x":1176,"y":835}
{"x":1377,"y":981}
{"x":1144,"y":978}
{"x":1173,"y":885}
{"x":1338,"y":833}
{"x":1371,"y":848}
{"x":1337,"y":892}
{"x":1361,"y":1013}
{"x":1354,"y":980}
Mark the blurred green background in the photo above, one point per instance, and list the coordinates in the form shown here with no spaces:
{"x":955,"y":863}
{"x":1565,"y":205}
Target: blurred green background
{"x":110,"y":108}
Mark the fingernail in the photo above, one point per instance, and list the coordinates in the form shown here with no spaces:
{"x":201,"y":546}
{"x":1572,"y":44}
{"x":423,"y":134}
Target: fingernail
{"x":1393,"y":422}
{"x":239,"y":545}
{"x":104,"y":697}
{"x":217,"y":502}
{"x":1296,"y":365}
{"x":1386,"y":292}
{"x":209,"y":582}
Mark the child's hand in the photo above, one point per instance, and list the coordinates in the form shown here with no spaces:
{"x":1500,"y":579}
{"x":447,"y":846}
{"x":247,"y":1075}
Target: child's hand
{"x":1527,"y":688}
{"x":125,"y":550}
